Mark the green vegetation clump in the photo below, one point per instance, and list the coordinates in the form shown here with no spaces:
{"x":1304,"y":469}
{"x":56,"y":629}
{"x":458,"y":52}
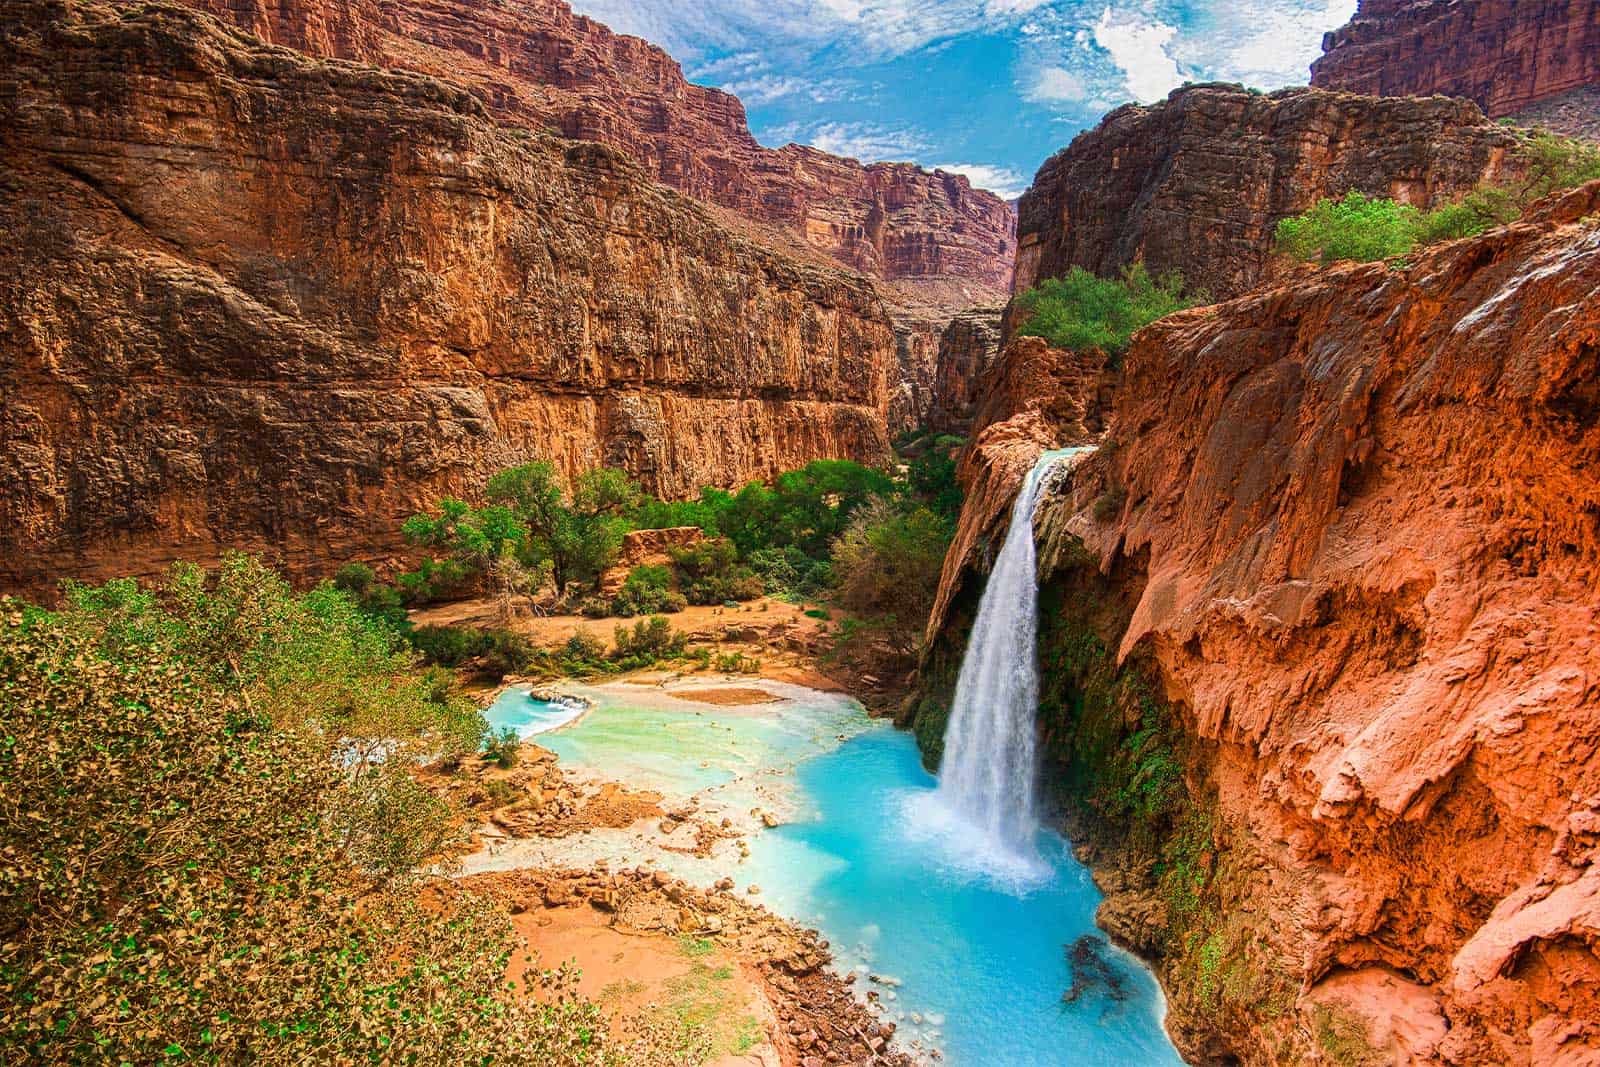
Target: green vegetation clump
{"x":887,"y":564}
{"x":1344,"y":1039}
{"x":214,"y":840}
{"x":1356,"y":227}
{"x":1082,"y":311}
{"x":833,"y":529}
{"x":647,"y":590}
{"x":502,"y":748}
{"x":1365,"y":229}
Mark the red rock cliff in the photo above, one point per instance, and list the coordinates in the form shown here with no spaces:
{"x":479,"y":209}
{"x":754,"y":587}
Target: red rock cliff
{"x":1506,"y":55}
{"x":250,"y":299}
{"x":1199,"y":182}
{"x":536,"y":64}
{"x":1349,"y":531}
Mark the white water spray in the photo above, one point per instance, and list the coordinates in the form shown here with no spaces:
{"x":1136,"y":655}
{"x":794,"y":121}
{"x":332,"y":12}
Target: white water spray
{"x":989,"y":762}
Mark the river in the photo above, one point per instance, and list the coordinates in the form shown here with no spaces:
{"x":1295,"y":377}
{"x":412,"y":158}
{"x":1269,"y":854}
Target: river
{"x":967,"y":948}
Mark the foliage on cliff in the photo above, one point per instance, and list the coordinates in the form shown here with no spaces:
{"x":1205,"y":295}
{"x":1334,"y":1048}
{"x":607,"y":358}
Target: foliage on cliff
{"x":214,"y":842}
{"x":1367,"y":229}
{"x":1080,"y":311}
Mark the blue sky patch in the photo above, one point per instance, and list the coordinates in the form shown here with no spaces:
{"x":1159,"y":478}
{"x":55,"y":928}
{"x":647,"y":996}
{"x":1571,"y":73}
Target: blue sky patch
{"x":989,"y":88}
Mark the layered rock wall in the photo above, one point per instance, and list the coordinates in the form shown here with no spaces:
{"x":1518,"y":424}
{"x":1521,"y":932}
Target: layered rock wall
{"x":1322,"y":655}
{"x":255,"y":300}
{"x":1505,"y":55}
{"x":967,"y":349}
{"x":538,"y":65}
{"x":1199,"y":182}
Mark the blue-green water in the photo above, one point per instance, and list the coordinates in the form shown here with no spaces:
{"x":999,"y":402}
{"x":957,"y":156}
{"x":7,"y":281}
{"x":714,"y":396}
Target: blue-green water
{"x":518,"y":710}
{"x":978,"y":945}
{"x":976,"y":938}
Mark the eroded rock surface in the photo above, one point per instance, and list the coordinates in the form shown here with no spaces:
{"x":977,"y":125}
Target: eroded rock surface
{"x":1355,"y":524}
{"x":1506,"y":55}
{"x":256,"y":300}
{"x":536,"y":64}
{"x":1198,"y":183}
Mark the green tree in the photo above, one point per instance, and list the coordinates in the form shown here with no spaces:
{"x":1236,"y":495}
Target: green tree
{"x":1355,"y":227}
{"x":195,"y":870}
{"x":580,"y":539}
{"x":888,"y":563}
{"x":1080,"y":311}
{"x":490,"y":541}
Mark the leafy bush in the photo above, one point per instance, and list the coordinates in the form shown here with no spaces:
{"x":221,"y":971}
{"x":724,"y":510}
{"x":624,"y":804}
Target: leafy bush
{"x":1369,"y":229}
{"x":932,"y":478}
{"x":1081,"y":311}
{"x":889,"y":562}
{"x":450,"y":646}
{"x":496,"y":653}
{"x":199,"y":866}
{"x":501,"y":749}
{"x":790,"y":572}
{"x":375,"y":599}
{"x":737,"y":663}
{"x":507,"y":653}
{"x":649,"y":640}
{"x":647,"y":591}
{"x":434,"y":580}
{"x":583,"y":654}
{"x":1356,"y":227}
{"x":710,"y":573}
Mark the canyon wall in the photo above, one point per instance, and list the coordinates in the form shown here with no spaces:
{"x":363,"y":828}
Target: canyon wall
{"x":968,"y":347}
{"x":251,"y":299}
{"x":1199,"y":182}
{"x":1321,"y":650}
{"x":1508,"y":56}
{"x":536,"y":64}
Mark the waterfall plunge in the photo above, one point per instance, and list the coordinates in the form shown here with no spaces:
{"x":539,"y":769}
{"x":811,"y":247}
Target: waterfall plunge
{"x":988,"y":773}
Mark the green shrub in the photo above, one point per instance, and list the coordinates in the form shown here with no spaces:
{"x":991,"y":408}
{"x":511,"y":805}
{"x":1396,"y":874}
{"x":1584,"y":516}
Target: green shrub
{"x":711,"y":574}
{"x":200,"y":866}
{"x":1356,"y":227}
{"x":648,"y":591}
{"x":375,"y":599}
{"x":507,"y":653}
{"x":737,"y":663}
{"x":501,"y":748}
{"x":450,"y":646}
{"x":888,"y":563}
{"x":583,"y":654}
{"x":1369,"y":229}
{"x":649,"y":640}
{"x":790,"y":572}
{"x":1081,"y":311}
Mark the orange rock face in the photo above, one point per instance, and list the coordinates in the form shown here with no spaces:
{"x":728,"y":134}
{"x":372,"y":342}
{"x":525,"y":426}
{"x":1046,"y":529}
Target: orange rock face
{"x":256,"y":300}
{"x":1199,"y":182}
{"x":1032,"y":399}
{"x":536,"y":64}
{"x":1506,"y":55}
{"x":1357,"y":521}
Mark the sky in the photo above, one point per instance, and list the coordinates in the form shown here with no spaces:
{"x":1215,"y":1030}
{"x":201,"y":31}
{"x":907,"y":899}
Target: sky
{"x":988,"y":88}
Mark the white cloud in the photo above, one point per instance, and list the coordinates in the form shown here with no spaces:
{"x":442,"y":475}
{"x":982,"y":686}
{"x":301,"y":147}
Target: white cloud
{"x":875,"y":29}
{"x":1001,"y":181}
{"x":1053,"y":85}
{"x":1138,"y":45}
{"x":1265,"y":45}
{"x":858,"y":140}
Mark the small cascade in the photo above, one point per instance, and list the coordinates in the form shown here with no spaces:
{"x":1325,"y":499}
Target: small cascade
{"x":987,"y":778}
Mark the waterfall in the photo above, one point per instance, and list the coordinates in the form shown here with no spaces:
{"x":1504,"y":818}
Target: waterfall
{"x":988,"y":773}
